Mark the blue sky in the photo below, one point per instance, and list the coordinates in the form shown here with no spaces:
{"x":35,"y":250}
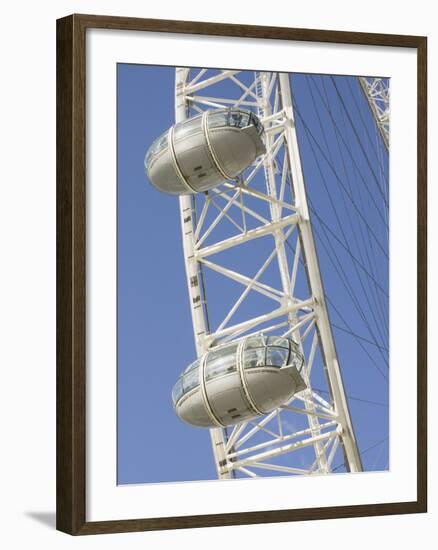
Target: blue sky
{"x":346,"y":173}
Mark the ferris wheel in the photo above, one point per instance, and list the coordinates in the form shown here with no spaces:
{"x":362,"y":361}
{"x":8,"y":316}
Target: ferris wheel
{"x":267,"y":380}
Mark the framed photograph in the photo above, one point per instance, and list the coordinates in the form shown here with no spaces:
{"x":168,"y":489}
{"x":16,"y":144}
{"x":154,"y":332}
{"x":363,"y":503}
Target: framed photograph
{"x":241,"y":274}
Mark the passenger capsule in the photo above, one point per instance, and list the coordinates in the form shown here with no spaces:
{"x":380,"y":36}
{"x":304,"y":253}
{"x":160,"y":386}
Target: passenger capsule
{"x":239,"y":381}
{"x":203,"y":151}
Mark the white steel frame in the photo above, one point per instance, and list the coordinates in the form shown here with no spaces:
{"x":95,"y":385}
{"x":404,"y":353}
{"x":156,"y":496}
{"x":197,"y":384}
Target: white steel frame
{"x":376,"y":91}
{"x":329,"y":422}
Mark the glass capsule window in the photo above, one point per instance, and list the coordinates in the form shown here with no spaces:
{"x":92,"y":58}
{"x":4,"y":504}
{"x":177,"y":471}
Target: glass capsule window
{"x":255,"y":342}
{"x":276,"y":357}
{"x":157,"y":146}
{"x":296,"y":358}
{"x":254,"y":354}
{"x":259,"y":126}
{"x":188,"y":127}
{"x":279,"y":341}
{"x":177,"y":391}
{"x":274,"y":351}
{"x":186,"y":382}
{"x":190,"y":380}
{"x":229,"y":117}
{"x":239,"y":119}
{"x":192,"y":366}
{"x":217,"y":119}
{"x":221,"y":361}
{"x":254,"y":358}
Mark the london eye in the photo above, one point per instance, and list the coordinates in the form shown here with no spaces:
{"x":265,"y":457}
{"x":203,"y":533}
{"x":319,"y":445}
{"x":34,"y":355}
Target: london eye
{"x":266,"y":380}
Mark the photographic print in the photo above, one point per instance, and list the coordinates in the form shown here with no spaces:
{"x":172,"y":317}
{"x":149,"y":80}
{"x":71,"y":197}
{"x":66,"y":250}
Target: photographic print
{"x":241,"y":294}
{"x":252,"y":274}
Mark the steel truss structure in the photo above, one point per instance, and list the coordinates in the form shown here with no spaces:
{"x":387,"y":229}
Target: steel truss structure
{"x":376,"y":91}
{"x":264,"y":213}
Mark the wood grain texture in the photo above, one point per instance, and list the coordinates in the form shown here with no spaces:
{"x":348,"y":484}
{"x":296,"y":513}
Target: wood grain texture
{"x":247,"y":31}
{"x":71,"y":270}
{"x":71,"y":231}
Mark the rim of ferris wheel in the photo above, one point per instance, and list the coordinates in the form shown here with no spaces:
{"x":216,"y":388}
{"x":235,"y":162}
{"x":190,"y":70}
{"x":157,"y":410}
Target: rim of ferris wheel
{"x":271,"y":97}
{"x":201,"y":152}
{"x":239,"y":381}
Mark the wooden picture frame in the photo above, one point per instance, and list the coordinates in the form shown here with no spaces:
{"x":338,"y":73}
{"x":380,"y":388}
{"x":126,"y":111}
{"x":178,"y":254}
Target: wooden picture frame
{"x":71,"y":273}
